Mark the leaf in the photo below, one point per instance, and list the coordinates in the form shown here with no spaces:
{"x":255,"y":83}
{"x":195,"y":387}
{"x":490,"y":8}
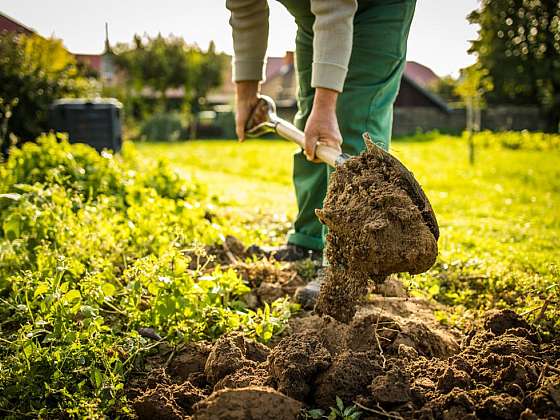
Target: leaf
{"x":356,"y":415}
{"x":87,"y":311}
{"x":11,"y":196}
{"x":153,"y":288}
{"x":28,"y":348}
{"x":339,"y":404}
{"x":41,"y":289}
{"x":434,"y":290}
{"x":108,"y":289}
{"x":96,"y":378}
{"x":72,"y":295}
{"x":315,"y":413}
{"x":11,"y":227}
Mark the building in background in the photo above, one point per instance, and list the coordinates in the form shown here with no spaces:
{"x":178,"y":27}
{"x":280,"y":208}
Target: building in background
{"x":8,"y":24}
{"x":101,"y":65}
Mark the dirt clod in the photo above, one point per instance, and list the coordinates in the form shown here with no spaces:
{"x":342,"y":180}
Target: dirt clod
{"x":251,"y":403}
{"x":191,"y":360}
{"x":348,"y":376}
{"x":380,"y":223}
{"x":499,"y":322}
{"x":244,"y":377}
{"x":295,"y":361}
{"x":167,"y":401}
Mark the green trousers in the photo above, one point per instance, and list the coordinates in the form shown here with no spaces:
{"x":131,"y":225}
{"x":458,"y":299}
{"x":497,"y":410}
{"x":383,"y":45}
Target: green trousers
{"x":376,"y":65}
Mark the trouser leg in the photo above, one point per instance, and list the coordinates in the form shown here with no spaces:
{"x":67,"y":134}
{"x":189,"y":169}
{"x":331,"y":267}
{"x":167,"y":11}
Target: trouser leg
{"x":310,"y":179}
{"x":374,"y":74}
{"x":376,"y":65}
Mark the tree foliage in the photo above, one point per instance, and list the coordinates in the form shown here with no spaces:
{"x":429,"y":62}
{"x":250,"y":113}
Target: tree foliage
{"x":445,"y":87}
{"x":34,"y":71}
{"x":519,"y":46}
{"x":160,"y":63}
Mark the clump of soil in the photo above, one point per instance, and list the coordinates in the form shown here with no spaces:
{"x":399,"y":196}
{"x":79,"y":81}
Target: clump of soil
{"x":269,"y":281}
{"x":230,"y":354}
{"x":251,"y":403}
{"x":246,"y":376}
{"x":295,"y":362}
{"x":380,"y":222}
{"x":349,"y":375}
{"x":189,"y":362}
{"x":167,"y":401}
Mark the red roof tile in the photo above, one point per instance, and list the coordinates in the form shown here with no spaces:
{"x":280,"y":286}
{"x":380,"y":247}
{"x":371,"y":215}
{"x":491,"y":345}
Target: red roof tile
{"x":421,"y":74}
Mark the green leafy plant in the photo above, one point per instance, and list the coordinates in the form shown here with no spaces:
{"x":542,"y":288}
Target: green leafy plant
{"x":341,"y":412}
{"x":93,"y":249}
{"x":350,"y":412}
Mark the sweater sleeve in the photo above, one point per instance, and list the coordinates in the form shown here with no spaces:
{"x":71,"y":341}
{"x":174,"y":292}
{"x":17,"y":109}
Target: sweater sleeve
{"x":332,"y":41}
{"x":249,"y":23}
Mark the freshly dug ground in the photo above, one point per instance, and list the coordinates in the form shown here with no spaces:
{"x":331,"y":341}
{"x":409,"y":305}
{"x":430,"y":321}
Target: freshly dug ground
{"x":380,"y":222}
{"x":392,"y":360}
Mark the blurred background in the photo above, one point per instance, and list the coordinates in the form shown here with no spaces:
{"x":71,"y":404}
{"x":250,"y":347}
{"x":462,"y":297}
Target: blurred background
{"x":169,"y":65}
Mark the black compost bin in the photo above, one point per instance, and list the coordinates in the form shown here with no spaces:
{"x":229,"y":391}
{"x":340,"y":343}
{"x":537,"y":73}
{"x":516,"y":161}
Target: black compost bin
{"x":96,"y":122}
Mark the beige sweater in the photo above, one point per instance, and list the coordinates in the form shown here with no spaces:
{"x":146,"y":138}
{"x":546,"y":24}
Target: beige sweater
{"x":332,"y":42}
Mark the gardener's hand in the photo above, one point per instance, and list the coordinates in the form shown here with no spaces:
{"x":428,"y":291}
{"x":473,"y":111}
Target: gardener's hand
{"x":322,"y":124}
{"x":246,"y":96}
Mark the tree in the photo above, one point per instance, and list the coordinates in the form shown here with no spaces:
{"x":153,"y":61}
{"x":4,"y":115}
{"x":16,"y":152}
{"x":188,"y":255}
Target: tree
{"x":34,"y":71}
{"x":519,"y":46}
{"x":446,"y":88}
{"x":165,"y":63}
{"x":473,"y":85}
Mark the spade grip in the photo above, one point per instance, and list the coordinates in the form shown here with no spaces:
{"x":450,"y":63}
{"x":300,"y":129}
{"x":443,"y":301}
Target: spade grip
{"x":264,"y":120}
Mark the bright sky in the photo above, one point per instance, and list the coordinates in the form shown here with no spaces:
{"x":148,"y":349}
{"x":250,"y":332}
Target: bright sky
{"x":438,"y":38}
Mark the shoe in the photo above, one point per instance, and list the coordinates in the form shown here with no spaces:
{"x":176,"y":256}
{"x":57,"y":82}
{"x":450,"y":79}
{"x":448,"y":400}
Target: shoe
{"x":291,"y":252}
{"x":306,"y":296}
{"x":288,"y":252}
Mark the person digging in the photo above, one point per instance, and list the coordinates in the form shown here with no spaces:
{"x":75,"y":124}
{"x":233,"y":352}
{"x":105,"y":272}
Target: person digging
{"x":350,"y":57}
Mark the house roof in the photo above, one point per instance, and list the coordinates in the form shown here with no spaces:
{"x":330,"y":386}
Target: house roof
{"x":430,"y":96}
{"x":10,"y":24}
{"x":92,"y":60}
{"x":422,"y":75}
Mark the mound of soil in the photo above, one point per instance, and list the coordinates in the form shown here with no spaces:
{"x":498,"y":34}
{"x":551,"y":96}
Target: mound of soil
{"x":296,"y":361}
{"x":167,"y":401}
{"x":380,"y":222}
{"x":230,"y":354}
{"x":251,"y":403}
{"x":390,"y":360}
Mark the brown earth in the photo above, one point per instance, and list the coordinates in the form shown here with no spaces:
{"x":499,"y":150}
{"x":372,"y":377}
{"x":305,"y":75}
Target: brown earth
{"x":380,"y":222}
{"x":392,"y":359}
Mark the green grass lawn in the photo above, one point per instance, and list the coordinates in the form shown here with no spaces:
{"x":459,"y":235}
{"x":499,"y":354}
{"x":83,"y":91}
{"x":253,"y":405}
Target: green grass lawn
{"x":499,"y":219}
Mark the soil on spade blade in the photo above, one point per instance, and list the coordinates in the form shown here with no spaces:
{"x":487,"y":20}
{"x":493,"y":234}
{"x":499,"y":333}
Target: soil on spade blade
{"x":380,"y":222}
{"x":387,"y":361}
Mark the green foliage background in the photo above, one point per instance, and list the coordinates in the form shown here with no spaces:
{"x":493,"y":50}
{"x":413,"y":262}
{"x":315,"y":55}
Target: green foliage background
{"x":35,"y":71}
{"x":519,"y":46}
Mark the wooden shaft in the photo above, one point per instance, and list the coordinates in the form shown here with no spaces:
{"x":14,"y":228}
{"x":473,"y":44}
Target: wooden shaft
{"x":290,"y":132}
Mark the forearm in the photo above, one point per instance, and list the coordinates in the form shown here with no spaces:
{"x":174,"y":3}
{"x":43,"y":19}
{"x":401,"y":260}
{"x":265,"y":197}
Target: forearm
{"x":325,"y":100}
{"x":249,"y":23}
{"x":332,"y":41}
{"x":246,"y":90}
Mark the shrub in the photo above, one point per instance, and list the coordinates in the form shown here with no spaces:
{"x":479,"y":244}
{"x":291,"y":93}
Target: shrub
{"x":35,"y":71}
{"x":163,"y":127}
{"x":517,"y":140}
{"x":92,"y":249}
